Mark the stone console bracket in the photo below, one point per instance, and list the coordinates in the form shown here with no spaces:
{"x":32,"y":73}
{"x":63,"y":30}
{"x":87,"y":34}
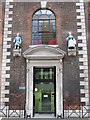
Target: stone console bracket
{"x":72,"y":52}
{"x":16,"y":52}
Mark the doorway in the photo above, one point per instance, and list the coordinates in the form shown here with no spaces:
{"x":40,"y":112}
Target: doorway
{"x":44,"y":92}
{"x":40,"y":62}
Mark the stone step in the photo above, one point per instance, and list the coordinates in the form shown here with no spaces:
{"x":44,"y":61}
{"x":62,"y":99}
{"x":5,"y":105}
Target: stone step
{"x":45,"y":119}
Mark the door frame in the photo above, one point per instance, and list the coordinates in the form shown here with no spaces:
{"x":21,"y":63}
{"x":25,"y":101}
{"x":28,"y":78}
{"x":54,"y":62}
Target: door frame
{"x":54,"y":82}
{"x":59,"y":84}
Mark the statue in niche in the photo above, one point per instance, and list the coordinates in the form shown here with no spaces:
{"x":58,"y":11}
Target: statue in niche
{"x":17,"y":41}
{"x":71,"y":41}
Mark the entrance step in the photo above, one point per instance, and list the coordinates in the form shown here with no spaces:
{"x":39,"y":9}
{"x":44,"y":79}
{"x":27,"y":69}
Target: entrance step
{"x":45,"y":119}
{"x":31,"y":119}
{"x":44,"y":116}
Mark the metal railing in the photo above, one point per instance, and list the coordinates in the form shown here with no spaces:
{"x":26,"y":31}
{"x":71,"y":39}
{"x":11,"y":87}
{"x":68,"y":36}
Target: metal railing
{"x":19,"y":111}
{"x":8,"y":110}
{"x":79,"y":111}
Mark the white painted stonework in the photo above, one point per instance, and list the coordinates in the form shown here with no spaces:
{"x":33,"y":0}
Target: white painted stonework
{"x":6,"y":53}
{"x":44,"y":56}
{"x":83,"y":46}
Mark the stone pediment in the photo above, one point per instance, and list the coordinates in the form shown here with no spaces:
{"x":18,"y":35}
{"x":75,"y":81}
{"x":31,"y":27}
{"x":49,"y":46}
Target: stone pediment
{"x":43,"y":52}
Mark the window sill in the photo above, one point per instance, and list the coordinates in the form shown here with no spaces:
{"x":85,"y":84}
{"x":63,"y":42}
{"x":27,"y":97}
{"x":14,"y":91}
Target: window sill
{"x":43,"y":45}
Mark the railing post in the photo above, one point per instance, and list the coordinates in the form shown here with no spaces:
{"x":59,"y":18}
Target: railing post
{"x":63,"y":109}
{"x":24,"y":110}
{"x":79,"y":111}
{"x":7,"y":110}
{"x":82,"y":111}
{"x":68,"y":110}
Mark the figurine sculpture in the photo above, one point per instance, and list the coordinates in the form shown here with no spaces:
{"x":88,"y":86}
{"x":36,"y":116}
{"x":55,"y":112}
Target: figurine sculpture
{"x":71,"y":41}
{"x":17,"y":41}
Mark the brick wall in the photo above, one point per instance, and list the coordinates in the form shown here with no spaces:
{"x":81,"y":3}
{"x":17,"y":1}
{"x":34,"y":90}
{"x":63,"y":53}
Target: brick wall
{"x":22,"y":23}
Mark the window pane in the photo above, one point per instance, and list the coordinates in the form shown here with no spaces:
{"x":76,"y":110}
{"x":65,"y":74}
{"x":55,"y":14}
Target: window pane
{"x":40,"y":26}
{"x":52,"y":16}
{"x":44,"y":38}
{"x":52,"y":26}
{"x":46,"y":26}
{"x":43,"y":11}
{"x":44,"y":73}
{"x":35,"y":17}
{"x":52,"y":22}
{"x":49,"y":12}
{"x":34,"y":29}
{"x":38,"y":12}
{"x":36,"y":38}
{"x":43,"y":17}
{"x":43,"y":26}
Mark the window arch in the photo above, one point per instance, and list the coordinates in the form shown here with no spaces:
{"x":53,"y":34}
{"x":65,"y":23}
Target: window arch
{"x":44,"y":27}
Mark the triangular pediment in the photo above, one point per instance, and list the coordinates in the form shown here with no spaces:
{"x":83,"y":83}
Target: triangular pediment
{"x":43,"y":52}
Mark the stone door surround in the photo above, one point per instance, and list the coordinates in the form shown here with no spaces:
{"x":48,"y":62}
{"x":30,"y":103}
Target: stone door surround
{"x":44,"y":56}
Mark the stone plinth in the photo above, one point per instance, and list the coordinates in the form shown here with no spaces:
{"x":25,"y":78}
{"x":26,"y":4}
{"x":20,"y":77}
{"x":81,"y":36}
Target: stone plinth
{"x":16,"y":52}
{"x":72,"y":52}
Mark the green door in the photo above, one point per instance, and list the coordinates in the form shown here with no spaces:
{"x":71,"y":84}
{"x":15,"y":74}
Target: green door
{"x":44,"y":90}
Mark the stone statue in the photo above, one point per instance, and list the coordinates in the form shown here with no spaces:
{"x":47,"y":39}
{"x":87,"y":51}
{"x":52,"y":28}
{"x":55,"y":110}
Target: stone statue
{"x":71,"y":41}
{"x":17,"y":41}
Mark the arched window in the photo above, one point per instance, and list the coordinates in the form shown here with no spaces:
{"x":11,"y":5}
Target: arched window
{"x":44,"y":27}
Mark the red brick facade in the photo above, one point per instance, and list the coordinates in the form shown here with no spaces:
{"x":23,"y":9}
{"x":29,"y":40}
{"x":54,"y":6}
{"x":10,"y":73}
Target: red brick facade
{"x":22,"y":23}
{"x":65,"y":22}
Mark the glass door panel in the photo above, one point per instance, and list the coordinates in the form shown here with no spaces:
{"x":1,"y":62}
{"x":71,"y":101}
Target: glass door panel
{"x":46,"y":101}
{"x":44,"y":97}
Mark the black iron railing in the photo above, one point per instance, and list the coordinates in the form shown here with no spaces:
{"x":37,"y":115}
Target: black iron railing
{"x":19,"y":111}
{"x":12,"y":110}
{"x":79,"y":111}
